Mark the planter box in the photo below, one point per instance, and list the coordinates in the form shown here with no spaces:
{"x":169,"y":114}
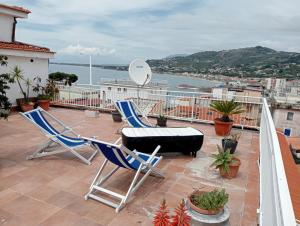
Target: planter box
{"x":91,"y":113}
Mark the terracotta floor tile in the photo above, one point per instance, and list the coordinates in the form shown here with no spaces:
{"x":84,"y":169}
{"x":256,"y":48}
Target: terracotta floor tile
{"x":62,"y":199}
{"x":29,"y":210}
{"x":54,"y":187}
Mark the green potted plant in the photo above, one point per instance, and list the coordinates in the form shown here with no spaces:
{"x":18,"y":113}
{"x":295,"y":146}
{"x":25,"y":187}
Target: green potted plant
{"x":17,"y":76}
{"x":224,"y":124}
{"x":227,"y":164}
{"x":116,"y":116}
{"x":42,"y":96}
{"x":162,"y":121}
{"x":230,"y":142}
{"x":208,"y":202}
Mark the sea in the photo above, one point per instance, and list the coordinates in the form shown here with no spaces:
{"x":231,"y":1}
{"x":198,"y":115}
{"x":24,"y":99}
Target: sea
{"x":174,"y":82}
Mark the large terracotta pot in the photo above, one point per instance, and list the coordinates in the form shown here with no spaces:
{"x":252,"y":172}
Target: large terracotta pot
{"x":44,"y":104}
{"x":117,"y":117}
{"x":233,"y":169}
{"x":27,"y":106}
{"x":222,"y":128}
{"x":198,"y":209}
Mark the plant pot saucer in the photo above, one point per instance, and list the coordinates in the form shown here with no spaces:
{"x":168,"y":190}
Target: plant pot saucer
{"x":208,"y":219}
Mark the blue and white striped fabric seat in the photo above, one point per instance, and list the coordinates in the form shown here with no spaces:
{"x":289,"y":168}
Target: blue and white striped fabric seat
{"x":128,"y":112}
{"x":115,"y":155}
{"x":38,"y":118}
{"x":71,"y":143}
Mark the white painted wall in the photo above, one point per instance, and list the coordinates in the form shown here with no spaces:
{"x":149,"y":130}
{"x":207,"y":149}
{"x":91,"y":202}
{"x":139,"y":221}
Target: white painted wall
{"x":6,"y":27}
{"x":280,"y":120}
{"x":39,"y":67}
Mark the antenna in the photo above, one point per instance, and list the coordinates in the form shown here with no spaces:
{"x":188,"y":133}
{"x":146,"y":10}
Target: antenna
{"x":140,"y":72}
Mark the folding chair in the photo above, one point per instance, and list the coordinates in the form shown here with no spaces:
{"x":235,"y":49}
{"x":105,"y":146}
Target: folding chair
{"x":121,"y":157}
{"x":130,"y":116}
{"x":71,"y":144}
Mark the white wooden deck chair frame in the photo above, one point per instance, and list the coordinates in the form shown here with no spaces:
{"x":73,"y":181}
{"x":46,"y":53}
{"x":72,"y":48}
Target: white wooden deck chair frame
{"x":136,"y":111}
{"x":145,"y":167}
{"x":45,"y":148}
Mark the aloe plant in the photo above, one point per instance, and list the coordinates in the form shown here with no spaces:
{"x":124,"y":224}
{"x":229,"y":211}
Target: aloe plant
{"x":213,"y":200}
{"x":227,"y":108}
{"x":222,"y":159}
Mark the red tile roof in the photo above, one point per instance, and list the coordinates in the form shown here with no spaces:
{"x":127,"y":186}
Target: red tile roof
{"x":24,"y":47}
{"x":16,"y":8}
{"x":292,"y":173}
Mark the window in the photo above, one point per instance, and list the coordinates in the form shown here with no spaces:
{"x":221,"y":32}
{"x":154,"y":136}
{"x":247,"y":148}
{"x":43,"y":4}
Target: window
{"x":109,"y":88}
{"x":124,"y":90}
{"x":119,"y":89}
{"x":290,"y":116}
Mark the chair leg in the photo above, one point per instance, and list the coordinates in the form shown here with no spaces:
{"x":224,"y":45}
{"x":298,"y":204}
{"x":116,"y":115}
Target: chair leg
{"x":40,"y":151}
{"x":86,"y":161}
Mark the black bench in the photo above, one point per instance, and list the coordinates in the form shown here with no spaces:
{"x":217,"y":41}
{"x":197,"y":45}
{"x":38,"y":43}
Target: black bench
{"x":186,"y":140}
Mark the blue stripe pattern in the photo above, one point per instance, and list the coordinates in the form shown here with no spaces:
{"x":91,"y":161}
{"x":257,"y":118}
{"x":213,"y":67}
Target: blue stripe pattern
{"x":37,"y":117}
{"x":128,"y":111}
{"x":116,"y":156}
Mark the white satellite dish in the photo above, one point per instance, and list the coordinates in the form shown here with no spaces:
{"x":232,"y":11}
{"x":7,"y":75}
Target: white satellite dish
{"x":140,"y":72}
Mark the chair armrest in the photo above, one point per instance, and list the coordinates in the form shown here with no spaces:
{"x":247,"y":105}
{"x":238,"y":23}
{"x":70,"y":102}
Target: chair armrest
{"x":153,"y":154}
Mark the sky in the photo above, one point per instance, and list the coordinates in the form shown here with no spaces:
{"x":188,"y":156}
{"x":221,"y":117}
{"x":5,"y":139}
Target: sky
{"x":118,"y":31}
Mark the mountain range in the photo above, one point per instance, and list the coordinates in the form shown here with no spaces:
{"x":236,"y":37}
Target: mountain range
{"x":244,"y":62}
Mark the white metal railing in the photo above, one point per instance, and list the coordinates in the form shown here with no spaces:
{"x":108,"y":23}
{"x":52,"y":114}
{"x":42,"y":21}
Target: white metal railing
{"x":188,"y":106}
{"x":275,"y":201}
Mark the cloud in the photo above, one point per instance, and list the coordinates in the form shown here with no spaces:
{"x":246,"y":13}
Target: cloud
{"x":157,"y":28}
{"x":78,"y":49}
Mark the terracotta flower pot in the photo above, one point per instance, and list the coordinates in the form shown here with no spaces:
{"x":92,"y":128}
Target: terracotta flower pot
{"x":222,"y":128}
{"x":116,"y":116}
{"x":198,"y":209}
{"x":44,"y":104}
{"x":27,"y":106}
{"x":233,"y":169}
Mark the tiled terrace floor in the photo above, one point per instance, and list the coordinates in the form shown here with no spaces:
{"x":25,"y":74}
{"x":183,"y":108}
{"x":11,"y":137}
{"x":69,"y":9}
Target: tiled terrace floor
{"x":50,"y":190}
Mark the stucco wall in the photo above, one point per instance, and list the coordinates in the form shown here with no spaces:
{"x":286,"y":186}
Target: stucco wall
{"x":39,"y":67}
{"x":280,"y":120}
{"x":6,"y":26}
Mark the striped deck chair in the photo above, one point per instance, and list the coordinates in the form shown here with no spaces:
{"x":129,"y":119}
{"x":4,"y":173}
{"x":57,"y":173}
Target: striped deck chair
{"x":121,"y":157}
{"x":130,"y":116}
{"x":37,"y":117}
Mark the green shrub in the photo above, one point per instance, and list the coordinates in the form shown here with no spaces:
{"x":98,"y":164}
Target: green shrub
{"x":68,"y":79}
{"x":213,"y":200}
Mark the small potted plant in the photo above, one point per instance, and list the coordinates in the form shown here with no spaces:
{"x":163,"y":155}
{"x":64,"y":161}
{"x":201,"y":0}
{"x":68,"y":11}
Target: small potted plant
{"x":227,"y":164}
{"x":17,"y":76}
{"x":224,"y":124}
{"x":116,"y":116}
{"x":42,"y":91}
{"x":231,"y":142}
{"x":162,"y":121}
{"x":208,"y":202}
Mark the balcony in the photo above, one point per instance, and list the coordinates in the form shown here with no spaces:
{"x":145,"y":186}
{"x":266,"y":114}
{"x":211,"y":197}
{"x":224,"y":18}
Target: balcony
{"x":50,"y":190}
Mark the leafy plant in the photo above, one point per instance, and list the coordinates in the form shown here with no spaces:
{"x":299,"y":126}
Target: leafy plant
{"x":181,"y":218}
{"x":222,"y":159}
{"x":17,"y":76}
{"x":227,"y":108}
{"x":44,"y":92}
{"x":162,"y":117}
{"x":4,"y":80}
{"x":235,"y":137}
{"x":213,"y":200}
{"x":162,"y":217}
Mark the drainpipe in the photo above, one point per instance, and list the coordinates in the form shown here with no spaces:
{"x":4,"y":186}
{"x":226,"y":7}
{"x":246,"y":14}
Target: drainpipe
{"x":13,"y":35}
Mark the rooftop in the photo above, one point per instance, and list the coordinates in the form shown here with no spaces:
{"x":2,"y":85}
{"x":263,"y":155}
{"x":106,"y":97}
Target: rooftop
{"x":15,"y":8}
{"x":50,"y":190}
{"x":23,"y":47}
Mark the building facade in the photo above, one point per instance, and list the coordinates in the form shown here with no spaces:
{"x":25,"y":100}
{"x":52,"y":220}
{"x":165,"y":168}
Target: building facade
{"x":33,"y":60}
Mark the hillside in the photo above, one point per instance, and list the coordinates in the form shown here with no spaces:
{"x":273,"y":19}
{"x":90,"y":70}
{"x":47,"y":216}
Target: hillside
{"x":247,"y":62}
